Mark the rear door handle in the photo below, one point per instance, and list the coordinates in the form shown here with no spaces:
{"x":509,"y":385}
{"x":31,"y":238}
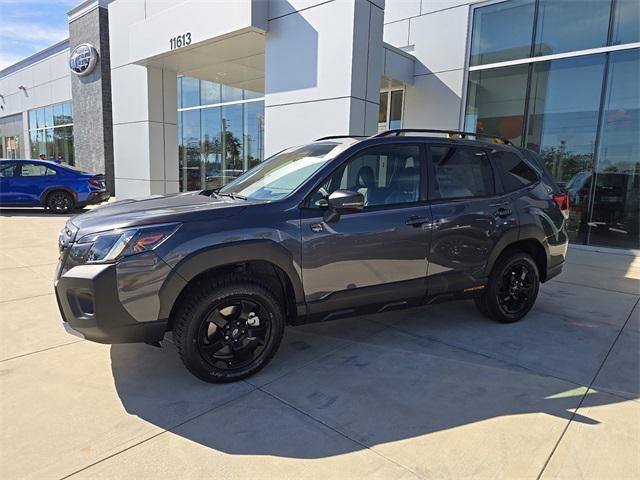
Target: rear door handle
{"x":417,"y":221}
{"x":503,"y":212}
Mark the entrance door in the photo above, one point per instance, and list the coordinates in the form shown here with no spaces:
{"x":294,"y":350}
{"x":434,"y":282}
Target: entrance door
{"x":469,"y":218}
{"x":376,"y":258}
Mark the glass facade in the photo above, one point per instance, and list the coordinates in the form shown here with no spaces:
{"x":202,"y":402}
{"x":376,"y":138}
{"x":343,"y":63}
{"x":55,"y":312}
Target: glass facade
{"x":579,"y":112}
{"x":51,"y":132}
{"x":221,"y":132}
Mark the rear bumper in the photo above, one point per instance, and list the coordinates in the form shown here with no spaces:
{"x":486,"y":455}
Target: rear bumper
{"x":94,"y":198}
{"x":88,"y":300}
{"x":554,"y":271}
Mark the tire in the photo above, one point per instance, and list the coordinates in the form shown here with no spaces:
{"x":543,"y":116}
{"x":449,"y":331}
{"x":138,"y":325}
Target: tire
{"x":215,"y":329}
{"x":512,"y":290}
{"x":60,"y":201}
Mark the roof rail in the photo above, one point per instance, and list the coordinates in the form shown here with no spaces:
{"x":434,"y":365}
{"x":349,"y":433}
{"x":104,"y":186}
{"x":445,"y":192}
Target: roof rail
{"x":332,"y":137}
{"x":451,"y":133}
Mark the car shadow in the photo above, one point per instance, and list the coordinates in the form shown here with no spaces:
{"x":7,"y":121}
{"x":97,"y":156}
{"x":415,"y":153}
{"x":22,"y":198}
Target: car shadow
{"x":372,"y":380}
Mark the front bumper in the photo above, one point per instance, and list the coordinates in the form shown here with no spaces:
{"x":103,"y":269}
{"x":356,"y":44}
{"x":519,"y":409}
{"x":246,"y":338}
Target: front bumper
{"x":90,"y":305}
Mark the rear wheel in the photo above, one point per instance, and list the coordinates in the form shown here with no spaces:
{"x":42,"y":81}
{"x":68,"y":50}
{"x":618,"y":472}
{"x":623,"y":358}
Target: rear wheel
{"x":512,"y":289}
{"x":229,"y":330}
{"x":60,"y":201}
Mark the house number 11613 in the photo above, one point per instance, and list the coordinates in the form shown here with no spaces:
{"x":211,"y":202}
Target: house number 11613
{"x":180,"y":41}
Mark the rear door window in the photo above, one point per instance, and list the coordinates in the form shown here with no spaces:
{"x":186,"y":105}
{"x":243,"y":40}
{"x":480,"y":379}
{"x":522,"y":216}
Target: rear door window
{"x":33,"y":170}
{"x":515,"y":171}
{"x":461,"y":172}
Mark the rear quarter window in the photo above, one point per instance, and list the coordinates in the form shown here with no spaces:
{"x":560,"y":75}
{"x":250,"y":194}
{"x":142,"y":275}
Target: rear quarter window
{"x":516,"y":173}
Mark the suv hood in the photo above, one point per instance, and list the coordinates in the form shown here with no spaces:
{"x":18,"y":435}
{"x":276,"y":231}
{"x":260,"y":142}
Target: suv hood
{"x":181,"y":207}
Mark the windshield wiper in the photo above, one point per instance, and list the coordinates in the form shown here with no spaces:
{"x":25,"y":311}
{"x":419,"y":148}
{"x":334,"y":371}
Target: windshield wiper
{"x":234,"y":196}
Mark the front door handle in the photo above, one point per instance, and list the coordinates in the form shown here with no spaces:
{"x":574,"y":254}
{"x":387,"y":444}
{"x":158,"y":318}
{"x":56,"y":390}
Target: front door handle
{"x":417,"y":221}
{"x":503,"y":212}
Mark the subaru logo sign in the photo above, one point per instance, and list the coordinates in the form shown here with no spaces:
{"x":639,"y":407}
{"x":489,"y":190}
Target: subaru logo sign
{"x":83,"y":59}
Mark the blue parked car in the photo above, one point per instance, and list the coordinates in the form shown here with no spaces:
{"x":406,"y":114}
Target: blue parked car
{"x":59,"y":188}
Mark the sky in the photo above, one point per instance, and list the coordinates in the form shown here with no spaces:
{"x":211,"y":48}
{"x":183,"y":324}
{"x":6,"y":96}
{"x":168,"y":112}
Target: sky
{"x":28,"y":26}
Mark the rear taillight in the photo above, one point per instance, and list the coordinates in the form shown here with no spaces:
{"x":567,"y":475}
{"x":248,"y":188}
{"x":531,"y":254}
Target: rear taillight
{"x":562,"y":199}
{"x":94,"y":182}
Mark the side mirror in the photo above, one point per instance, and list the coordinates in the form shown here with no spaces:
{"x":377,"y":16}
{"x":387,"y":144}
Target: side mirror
{"x":343,"y":201}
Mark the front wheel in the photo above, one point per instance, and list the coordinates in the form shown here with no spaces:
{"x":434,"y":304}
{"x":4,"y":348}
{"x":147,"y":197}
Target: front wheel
{"x":228,"y":330}
{"x":60,"y":201}
{"x":512,"y":289}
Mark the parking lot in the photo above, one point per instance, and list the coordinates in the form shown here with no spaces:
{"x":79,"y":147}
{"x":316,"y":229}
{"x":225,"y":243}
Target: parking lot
{"x":434,"y":392}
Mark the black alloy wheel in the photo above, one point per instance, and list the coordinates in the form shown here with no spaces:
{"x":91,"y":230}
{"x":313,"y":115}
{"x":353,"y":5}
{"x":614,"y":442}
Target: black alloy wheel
{"x":516,"y":287}
{"x":232,"y":334}
{"x":229,"y":329}
{"x":60,"y":201}
{"x":512,"y":288}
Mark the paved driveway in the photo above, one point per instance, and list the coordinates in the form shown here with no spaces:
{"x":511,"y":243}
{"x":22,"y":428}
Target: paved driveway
{"x":436,"y":392}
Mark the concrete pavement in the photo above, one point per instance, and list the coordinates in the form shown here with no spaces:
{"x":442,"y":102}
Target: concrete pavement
{"x":435,"y":392}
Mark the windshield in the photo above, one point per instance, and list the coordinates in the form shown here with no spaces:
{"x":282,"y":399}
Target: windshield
{"x":280,"y":175}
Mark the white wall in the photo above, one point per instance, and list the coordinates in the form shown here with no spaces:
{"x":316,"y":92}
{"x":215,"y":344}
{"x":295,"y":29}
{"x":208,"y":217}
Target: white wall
{"x":47,"y":81}
{"x":323,"y":65}
{"x":435,"y":32}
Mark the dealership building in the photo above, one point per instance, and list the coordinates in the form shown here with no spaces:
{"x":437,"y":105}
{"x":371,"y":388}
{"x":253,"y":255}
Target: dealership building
{"x":166,"y":96}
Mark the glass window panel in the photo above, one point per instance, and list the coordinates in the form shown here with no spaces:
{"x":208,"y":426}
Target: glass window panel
{"x":564,"y":25}
{"x":232,"y":142}
{"x":179,"y":86}
{"x":212,"y":147}
{"x":395,"y":113}
{"x":48,"y":116}
{"x":40,"y":118}
{"x":33,"y":122}
{"x":209,"y":92}
{"x":67,"y":112}
{"x":615,"y":215}
{"x":502,"y":32}
{"x":231,"y":94}
{"x":33,"y":141}
{"x":496,"y":101}
{"x":42,"y":146}
{"x":49,"y":143}
{"x":462,"y":172}
{"x":191,"y":167}
{"x":250,"y":94}
{"x":190,"y":92}
{"x":517,"y":173}
{"x":563,"y":117}
{"x":254,"y":133}
{"x":58,"y":114}
{"x":384,"y":106}
{"x":66,"y":145}
{"x":626,"y":22}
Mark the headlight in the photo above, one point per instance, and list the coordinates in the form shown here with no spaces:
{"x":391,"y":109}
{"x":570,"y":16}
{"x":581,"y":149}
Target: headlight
{"x":109,"y":246}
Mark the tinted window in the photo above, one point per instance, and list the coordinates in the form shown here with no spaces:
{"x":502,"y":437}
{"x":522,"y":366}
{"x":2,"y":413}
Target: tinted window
{"x":564,"y":25}
{"x":502,"y":32}
{"x":516,"y":173}
{"x":33,"y":170}
{"x":386,"y":175}
{"x":7,"y":170}
{"x":626,"y":22}
{"x":461,"y":172}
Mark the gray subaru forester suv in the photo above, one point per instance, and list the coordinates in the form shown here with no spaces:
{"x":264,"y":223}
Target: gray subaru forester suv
{"x":340,"y":227}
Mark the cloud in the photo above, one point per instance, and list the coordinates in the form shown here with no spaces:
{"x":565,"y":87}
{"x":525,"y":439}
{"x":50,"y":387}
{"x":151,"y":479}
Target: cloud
{"x":31,"y":33}
{"x":6,"y":60}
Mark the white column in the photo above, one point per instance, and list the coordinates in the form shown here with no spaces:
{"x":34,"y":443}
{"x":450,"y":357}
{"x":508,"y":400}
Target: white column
{"x":145,"y":117}
{"x":323,"y":65}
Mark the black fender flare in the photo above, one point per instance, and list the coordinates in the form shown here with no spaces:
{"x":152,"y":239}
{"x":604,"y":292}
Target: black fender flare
{"x":48,"y":190}
{"x":513,"y":236}
{"x":216,"y":256}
